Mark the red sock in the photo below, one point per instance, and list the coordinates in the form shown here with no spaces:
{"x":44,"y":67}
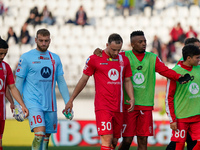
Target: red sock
{"x":197,"y":146}
{"x":105,"y":148}
{"x":180,"y":145}
{"x":1,"y":148}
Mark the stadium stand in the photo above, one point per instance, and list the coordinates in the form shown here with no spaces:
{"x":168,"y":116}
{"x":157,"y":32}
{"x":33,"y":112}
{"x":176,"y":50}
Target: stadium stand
{"x":75,"y":43}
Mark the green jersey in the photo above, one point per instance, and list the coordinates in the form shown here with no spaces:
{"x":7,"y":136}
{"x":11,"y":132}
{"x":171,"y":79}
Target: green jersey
{"x":143,"y":78}
{"x":187,"y":96}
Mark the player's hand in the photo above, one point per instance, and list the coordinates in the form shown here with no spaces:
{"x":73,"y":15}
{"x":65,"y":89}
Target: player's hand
{"x":12,"y":107}
{"x":25,"y":111}
{"x":185,"y":78}
{"x":69,"y":106}
{"x":173,"y":126}
{"x":132,"y":104}
{"x":98,"y":52}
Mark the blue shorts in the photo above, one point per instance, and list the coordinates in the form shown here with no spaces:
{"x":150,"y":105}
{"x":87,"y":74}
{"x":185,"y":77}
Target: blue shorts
{"x":38,"y":118}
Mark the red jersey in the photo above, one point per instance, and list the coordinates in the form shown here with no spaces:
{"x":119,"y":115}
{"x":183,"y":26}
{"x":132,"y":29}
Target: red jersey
{"x":169,"y":100}
{"x":109,"y":75}
{"x":6,"y":78}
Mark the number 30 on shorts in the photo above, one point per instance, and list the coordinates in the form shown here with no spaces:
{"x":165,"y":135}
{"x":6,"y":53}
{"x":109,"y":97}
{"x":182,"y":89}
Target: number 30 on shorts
{"x":180,"y":133}
{"x":106,"y":126}
{"x":37,"y":119}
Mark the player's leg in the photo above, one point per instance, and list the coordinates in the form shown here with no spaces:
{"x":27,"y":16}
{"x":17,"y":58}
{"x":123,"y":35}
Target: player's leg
{"x":39,"y":137}
{"x":197,"y":146}
{"x":179,"y":136}
{"x":142,"y":142}
{"x":194,"y":131}
{"x":2,"y":124}
{"x":129,"y":128}
{"x":117,"y":125}
{"x":126,"y":143}
{"x":46,"y":142}
{"x":144,"y":129}
{"x":106,"y":141}
{"x":37,"y":125}
{"x":171,"y":146}
{"x":190,"y":142}
{"x":104,"y":123}
{"x":180,"y":145}
{"x":51,"y":127}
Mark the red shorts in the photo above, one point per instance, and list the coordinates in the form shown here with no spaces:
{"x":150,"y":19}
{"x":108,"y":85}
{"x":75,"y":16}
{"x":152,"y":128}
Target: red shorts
{"x":2,"y":124}
{"x":109,"y":123}
{"x":184,"y":127}
{"x":138,"y":122}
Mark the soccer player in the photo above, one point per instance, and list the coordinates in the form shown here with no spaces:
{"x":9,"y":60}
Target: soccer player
{"x":111,"y":72}
{"x":144,"y":66}
{"x":7,"y":84}
{"x":190,"y":143}
{"x":36,"y":76}
{"x":182,"y":102}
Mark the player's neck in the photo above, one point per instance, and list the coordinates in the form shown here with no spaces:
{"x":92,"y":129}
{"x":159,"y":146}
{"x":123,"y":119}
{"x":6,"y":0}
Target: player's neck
{"x":186,"y":63}
{"x":41,"y":50}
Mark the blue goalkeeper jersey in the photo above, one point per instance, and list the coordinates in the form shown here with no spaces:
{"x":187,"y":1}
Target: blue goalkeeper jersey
{"x":40,"y":71}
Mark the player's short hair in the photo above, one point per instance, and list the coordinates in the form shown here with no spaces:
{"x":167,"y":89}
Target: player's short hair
{"x":115,"y":37}
{"x":43,"y":32}
{"x":3,"y":44}
{"x":190,"y":50}
{"x":191,"y":40}
{"x":137,"y":33}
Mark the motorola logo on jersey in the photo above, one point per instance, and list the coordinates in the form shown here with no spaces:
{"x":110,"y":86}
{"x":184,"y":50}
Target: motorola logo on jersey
{"x":46,"y":72}
{"x":138,"y":78}
{"x":1,"y":84}
{"x":113,"y":74}
{"x":194,"y":88}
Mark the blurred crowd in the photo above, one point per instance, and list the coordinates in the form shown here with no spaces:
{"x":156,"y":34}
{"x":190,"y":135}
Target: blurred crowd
{"x":165,"y":51}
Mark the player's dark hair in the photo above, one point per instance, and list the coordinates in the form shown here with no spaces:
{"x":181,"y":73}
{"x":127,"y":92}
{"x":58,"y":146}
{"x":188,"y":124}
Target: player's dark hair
{"x":115,"y":37}
{"x":43,"y":32}
{"x":190,"y":50}
{"x":191,"y":40}
{"x":137,"y":33}
{"x":3,"y":44}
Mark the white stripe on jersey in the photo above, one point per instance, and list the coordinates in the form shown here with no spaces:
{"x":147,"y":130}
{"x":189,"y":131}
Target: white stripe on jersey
{"x":4,"y":85}
{"x":166,"y":101}
{"x":121,"y":80}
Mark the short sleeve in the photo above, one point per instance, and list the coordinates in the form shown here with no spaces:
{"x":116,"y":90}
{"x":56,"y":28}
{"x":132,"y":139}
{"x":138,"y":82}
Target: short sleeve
{"x":89,"y":68}
{"x":10,"y":78}
{"x":22,"y":68}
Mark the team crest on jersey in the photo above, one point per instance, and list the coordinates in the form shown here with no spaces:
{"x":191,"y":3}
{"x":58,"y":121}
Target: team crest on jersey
{"x":113,"y":74}
{"x":54,"y":126}
{"x":194,"y":88}
{"x":87,"y":60}
{"x":138,"y":78}
{"x":20,"y":62}
{"x":1,"y":84}
{"x":45,"y":72}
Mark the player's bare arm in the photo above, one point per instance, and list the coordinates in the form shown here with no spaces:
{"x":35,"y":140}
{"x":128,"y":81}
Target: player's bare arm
{"x":10,"y":99}
{"x":129,"y":89}
{"x":18,"y":98}
{"x":79,"y":87}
